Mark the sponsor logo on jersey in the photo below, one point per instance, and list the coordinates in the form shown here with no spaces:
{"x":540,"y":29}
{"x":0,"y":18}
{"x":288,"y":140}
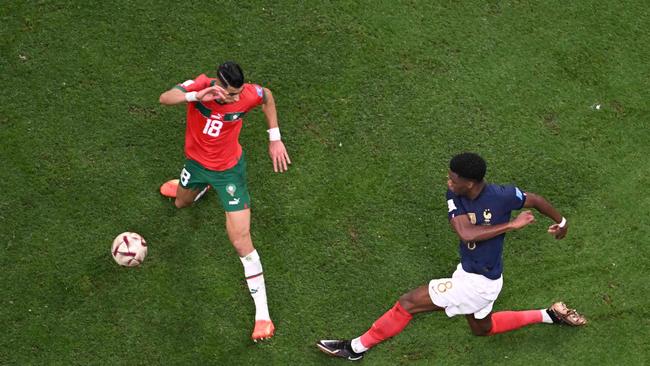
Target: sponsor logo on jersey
{"x":234,"y":202}
{"x":260,"y":91}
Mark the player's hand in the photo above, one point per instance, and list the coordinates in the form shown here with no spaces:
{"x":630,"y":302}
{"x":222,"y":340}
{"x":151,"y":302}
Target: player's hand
{"x":211,"y":93}
{"x":557,"y":231}
{"x":279,"y":156}
{"x":524,"y":218}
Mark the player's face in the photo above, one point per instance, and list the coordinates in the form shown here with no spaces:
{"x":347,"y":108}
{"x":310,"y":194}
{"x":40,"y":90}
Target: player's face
{"x":232,"y":94}
{"x":457,"y":184}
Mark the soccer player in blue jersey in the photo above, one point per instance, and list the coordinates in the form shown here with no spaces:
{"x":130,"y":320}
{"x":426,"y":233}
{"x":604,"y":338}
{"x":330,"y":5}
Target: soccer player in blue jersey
{"x":479,"y":213}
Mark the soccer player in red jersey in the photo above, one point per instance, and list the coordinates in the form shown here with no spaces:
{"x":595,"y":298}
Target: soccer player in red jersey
{"x":214,"y":158}
{"x":479,"y":213}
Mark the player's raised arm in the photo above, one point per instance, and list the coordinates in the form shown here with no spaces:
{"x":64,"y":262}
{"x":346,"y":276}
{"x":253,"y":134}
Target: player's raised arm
{"x":175,"y":96}
{"x":277,"y":151}
{"x":559,"y":229}
{"x":172,"y":96}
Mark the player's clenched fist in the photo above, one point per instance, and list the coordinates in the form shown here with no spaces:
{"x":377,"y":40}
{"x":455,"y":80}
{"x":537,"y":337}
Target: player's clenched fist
{"x":523,"y":219}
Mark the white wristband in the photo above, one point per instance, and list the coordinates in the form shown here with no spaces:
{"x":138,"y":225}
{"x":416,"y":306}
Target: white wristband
{"x":191,"y":97}
{"x":274,"y":134}
{"x":562,"y":223}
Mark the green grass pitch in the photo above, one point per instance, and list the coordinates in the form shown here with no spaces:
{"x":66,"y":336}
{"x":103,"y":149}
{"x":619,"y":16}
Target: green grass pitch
{"x":373,"y":97}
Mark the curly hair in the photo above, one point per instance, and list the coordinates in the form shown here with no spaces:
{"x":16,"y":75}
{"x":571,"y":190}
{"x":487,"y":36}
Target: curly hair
{"x":469,"y":166}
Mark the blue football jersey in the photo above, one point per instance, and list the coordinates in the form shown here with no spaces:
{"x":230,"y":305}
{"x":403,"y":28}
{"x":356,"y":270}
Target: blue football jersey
{"x":493,"y":206}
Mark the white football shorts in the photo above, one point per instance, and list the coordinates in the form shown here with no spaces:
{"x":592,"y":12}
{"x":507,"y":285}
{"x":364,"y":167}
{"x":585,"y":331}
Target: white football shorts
{"x":465,"y":293}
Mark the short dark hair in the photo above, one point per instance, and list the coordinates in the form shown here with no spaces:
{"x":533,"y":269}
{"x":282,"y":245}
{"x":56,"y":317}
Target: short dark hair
{"x":230,"y":74}
{"x":469,"y":166}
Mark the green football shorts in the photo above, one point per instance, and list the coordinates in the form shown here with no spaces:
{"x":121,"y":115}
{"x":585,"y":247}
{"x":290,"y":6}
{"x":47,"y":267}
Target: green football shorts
{"x":230,"y":184}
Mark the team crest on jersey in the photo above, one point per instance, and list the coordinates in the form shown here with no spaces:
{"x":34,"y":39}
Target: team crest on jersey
{"x":487,"y":216}
{"x":231,"y":188}
{"x":472,"y":217}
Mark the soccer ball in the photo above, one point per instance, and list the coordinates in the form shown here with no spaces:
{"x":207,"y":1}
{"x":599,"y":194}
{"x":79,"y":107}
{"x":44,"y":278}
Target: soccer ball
{"x":129,"y":249}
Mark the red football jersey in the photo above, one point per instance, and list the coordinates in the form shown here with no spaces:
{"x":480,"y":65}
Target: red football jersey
{"x":212,"y":132}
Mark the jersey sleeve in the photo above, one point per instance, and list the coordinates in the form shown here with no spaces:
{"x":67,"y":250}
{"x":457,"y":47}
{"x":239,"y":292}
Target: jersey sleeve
{"x":454,"y":205}
{"x":258,"y":96}
{"x":514,"y":197}
{"x":201,"y":82}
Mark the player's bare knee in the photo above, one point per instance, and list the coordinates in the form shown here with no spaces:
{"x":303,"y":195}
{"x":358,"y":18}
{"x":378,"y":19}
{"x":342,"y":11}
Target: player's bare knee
{"x":242,"y":241}
{"x":240,"y":234}
{"x":408,"y":302}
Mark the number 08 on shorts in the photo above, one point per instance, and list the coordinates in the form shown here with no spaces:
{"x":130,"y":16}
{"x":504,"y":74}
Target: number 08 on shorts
{"x":229,"y":184}
{"x":465,"y":293}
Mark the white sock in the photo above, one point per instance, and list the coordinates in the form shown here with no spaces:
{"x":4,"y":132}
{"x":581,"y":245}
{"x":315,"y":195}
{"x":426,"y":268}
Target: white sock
{"x":357,"y":346}
{"x":255,"y":279}
{"x":545,"y":317}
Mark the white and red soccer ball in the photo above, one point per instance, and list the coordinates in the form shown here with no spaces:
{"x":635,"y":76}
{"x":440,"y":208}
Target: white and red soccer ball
{"x":129,"y":249}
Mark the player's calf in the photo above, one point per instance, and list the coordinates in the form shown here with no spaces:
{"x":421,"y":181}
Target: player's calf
{"x":186,"y":200}
{"x":183,"y":197}
{"x":182,"y":204}
{"x":479,"y":327}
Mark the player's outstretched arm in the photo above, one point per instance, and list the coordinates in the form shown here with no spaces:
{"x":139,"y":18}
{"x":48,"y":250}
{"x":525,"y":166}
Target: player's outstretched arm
{"x":469,"y":232}
{"x":559,"y":229}
{"x":277,"y":151}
